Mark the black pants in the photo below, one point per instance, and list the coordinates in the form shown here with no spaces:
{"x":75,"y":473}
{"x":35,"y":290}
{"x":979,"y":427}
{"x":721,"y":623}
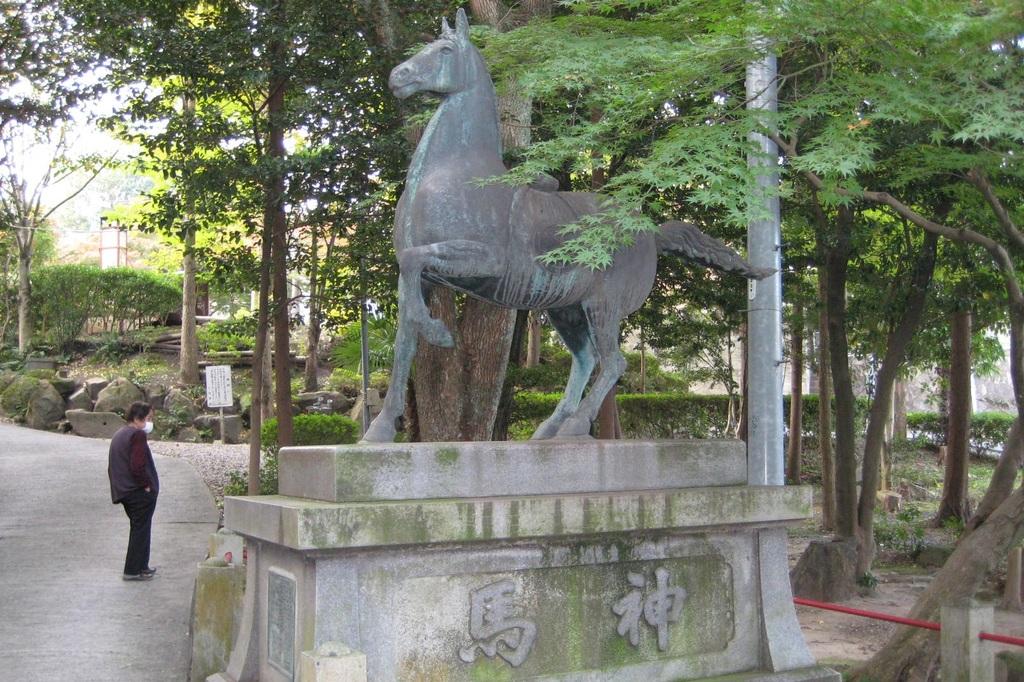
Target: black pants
{"x":139,"y":506}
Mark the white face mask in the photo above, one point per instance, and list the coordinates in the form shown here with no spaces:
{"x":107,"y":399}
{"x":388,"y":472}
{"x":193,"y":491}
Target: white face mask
{"x":148,"y":427}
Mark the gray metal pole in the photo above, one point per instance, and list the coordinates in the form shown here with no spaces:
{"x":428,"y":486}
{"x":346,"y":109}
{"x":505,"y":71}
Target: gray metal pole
{"x":764,"y":320}
{"x":364,"y":343}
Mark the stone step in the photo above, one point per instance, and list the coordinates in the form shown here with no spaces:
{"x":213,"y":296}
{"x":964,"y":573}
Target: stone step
{"x":403,"y":471}
{"x":308,"y":524}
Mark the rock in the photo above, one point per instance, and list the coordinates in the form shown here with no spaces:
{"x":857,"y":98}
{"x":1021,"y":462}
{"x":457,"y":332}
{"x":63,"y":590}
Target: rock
{"x":79,"y":400}
{"x":188,"y":435}
{"x":933,"y":556}
{"x":14,"y":400}
{"x":324,"y":402}
{"x":826,"y":571}
{"x":6,"y":377}
{"x":180,"y":405}
{"x":118,"y":396}
{"x":373,"y":399}
{"x":45,"y":407}
{"x":94,"y":385}
{"x":211,"y":422}
{"x":156,"y":394}
{"x":65,"y":386}
{"x":94,"y":424}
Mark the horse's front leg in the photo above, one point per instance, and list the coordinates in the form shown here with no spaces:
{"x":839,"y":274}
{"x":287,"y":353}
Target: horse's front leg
{"x":453,"y":258}
{"x":384,"y":426}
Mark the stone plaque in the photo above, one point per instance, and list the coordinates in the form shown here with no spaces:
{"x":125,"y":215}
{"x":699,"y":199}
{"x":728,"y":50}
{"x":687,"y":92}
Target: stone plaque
{"x":557,"y":620}
{"x":281,"y":622}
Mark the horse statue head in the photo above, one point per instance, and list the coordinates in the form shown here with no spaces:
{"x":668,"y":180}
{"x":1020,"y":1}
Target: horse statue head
{"x":446,"y":66}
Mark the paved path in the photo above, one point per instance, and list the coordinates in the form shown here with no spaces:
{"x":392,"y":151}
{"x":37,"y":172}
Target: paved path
{"x":65,"y":613}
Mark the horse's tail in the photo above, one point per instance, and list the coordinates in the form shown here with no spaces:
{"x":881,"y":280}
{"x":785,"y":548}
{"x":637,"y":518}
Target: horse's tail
{"x":683,"y":239}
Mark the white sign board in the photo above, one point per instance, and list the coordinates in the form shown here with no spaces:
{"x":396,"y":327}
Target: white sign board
{"x":218,"y":386}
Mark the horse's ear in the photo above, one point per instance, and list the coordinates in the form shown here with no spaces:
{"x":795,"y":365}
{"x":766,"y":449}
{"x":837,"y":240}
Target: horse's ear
{"x":461,"y":24}
{"x":445,"y":28}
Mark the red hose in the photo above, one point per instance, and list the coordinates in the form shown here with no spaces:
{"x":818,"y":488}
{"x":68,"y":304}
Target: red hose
{"x":925,"y":624}
{"x":1002,"y":639}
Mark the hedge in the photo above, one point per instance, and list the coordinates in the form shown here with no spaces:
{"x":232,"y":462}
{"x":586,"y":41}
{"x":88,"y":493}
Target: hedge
{"x":313,"y":429}
{"x":65,"y":297}
{"x":666,"y":415}
{"x":989,"y":430}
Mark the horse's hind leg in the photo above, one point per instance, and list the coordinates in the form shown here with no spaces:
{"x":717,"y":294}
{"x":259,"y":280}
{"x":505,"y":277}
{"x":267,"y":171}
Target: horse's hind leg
{"x":384,"y":426}
{"x":604,"y":326}
{"x":572,"y":325}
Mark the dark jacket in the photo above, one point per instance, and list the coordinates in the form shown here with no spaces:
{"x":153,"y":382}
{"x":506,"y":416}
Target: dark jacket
{"x":130,"y":464}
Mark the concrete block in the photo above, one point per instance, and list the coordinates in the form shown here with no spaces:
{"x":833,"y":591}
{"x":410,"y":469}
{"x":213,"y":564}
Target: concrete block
{"x":394,"y":471}
{"x":216,"y":612}
{"x":332,"y":662}
{"x":307,"y":525}
{"x":94,"y":424}
{"x":963,"y":655}
{"x":227,"y":546}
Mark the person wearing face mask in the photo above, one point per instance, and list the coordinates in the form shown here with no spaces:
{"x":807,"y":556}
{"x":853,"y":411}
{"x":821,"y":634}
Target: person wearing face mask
{"x":134,"y":484}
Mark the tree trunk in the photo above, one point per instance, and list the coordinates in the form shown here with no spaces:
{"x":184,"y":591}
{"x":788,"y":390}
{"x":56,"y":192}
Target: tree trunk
{"x":608,"y":426}
{"x":312,"y":368}
{"x":955,"y":503}
{"x":533,"y":341}
{"x":465,"y":382}
{"x":275,"y":198}
{"x":516,"y":358}
{"x":896,"y":344}
{"x":796,"y":396}
{"x":846,"y":458}
{"x":24,"y":299}
{"x":261,"y":354}
{"x":189,"y":357}
{"x":899,"y":411}
{"x":828,"y":467}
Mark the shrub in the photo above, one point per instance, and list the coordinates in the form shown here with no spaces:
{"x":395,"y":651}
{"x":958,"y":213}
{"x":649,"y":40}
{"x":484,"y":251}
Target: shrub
{"x":989,"y":430}
{"x":65,"y":297}
{"x":351,"y":383}
{"x":902,"y":534}
{"x":314,"y":429}
{"x":235,"y":334}
{"x":664,"y":415}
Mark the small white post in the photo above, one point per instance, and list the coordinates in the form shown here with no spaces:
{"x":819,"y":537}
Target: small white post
{"x":221,"y":440}
{"x":965,"y":657}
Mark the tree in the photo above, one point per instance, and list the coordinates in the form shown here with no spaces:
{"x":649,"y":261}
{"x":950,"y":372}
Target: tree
{"x":27,"y":203}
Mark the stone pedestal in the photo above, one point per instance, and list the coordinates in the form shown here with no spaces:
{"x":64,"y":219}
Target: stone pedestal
{"x":573,"y":560}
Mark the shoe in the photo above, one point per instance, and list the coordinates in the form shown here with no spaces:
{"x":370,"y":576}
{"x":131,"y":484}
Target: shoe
{"x":137,"y":576}
{"x":148,"y":571}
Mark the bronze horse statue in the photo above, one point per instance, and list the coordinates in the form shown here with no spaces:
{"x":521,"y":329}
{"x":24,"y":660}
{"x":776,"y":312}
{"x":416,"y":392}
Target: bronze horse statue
{"x":485,"y":240}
